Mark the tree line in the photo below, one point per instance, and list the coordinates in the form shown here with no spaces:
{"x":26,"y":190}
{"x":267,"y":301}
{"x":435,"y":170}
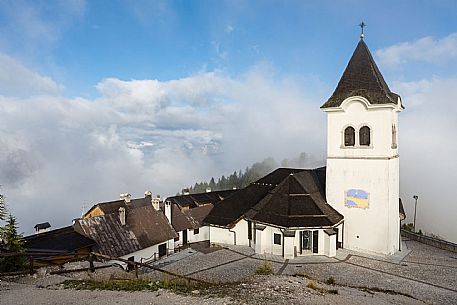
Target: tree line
{"x":240,"y":179}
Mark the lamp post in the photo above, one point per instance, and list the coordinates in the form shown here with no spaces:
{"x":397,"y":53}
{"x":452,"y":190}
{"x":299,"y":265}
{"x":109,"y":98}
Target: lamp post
{"x":415,"y":207}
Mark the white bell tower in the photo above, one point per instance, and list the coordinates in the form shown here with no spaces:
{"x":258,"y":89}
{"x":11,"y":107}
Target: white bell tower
{"x":362,"y":156}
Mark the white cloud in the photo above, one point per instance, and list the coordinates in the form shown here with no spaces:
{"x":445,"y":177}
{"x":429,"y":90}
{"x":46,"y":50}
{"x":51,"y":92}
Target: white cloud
{"x":428,"y":150}
{"x":58,"y":153}
{"x":426,"y":49}
{"x":16,"y":79}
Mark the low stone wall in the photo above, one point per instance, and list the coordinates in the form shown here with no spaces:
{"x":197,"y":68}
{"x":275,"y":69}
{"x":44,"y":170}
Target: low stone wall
{"x":438,"y":243}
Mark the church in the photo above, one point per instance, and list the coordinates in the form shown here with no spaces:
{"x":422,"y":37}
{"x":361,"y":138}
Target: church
{"x":353,"y":202}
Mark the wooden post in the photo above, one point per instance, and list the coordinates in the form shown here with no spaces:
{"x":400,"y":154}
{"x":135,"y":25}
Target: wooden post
{"x":91,"y":263}
{"x":136,"y":270}
{"x":31,"y":264}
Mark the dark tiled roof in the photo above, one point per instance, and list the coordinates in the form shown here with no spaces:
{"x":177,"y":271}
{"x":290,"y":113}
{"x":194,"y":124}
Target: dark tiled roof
{"x":42,"y":226}
{"x":113,"y":206}
{"x":189,"y":211}
{"x":183,"y":219}
{"x":63,"y":239}
{"x":296,"y":202}
{"x":363,"y":78}
{"x":179,"y":221}
{"x":144,"y":227}
{"x":194,"y":200}
{"x":232,"y":208}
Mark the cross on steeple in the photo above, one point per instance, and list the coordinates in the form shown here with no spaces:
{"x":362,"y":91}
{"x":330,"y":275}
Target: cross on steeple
{"x":362,"y":25}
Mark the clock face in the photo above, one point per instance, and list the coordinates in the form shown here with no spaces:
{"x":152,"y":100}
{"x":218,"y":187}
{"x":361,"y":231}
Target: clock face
{"x":355,"y":198}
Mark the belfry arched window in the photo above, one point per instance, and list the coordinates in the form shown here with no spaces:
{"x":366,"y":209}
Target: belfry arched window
{"x":364,"y":136}
{"x":349,"y":136}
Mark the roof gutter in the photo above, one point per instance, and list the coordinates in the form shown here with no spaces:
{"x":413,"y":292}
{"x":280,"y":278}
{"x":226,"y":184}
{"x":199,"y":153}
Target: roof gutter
{"x":299,"y":228}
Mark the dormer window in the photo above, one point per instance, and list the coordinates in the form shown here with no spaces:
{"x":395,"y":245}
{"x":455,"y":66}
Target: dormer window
{"x":349,"y":136}
{"x":364,"y":136}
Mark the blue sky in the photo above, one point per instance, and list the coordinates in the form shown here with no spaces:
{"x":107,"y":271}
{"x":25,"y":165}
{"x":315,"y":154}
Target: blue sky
{"x":99,"y":98}
{"x":79,"y":43}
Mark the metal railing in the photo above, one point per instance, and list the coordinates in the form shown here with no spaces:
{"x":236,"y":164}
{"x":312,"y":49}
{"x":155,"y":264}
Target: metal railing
{"x":431,"y":241}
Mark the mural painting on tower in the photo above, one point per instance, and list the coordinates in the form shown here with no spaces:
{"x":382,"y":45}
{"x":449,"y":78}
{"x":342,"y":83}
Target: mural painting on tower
{"x":354,"y":198}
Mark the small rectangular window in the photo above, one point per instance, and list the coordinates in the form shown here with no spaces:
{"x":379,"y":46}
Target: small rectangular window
{"x":196,"y":231}
{"x":277,"y":238}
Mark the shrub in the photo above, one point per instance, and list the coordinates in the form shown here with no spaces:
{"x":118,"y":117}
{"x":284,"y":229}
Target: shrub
{"x":265,"y":268}
{"x":312,"y":285}
{"x":408,"y":227}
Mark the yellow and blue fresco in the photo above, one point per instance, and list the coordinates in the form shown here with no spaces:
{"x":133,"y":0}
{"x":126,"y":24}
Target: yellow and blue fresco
{"x":356,"y":199}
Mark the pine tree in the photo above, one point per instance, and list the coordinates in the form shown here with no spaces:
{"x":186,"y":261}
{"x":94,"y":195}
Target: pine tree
{"x":12,"y":242}
{"x":212,"y":184}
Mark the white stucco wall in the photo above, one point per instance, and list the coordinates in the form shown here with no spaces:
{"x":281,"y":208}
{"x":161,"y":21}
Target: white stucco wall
{"x":202,"y":235}
{"x":354,"y":112}
{"x":374,"y":169}
{"x":237,"y":235}
{"x":329,"y":245}
{"x":147,"y":254}
{"x":260,"y":241}
{"x":290,"y":246}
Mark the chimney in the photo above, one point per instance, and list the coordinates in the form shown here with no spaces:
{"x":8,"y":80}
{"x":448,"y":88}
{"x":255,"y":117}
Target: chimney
{"x":234,"y":187}
{"x":42,"y":227}
{"x":185,"y":191}
{"x":168,"y":210}
{"x":122,"y":215}
{"x":208,"y":190}
{"x":156,"y":202}
{"x":126,"y":197}
{"x":147,"y":193}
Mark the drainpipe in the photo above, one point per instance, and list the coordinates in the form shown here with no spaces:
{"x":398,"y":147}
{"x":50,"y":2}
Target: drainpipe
{"x":234,"y":236}
{"x":283,"y":241}
{"x":342,"y":237}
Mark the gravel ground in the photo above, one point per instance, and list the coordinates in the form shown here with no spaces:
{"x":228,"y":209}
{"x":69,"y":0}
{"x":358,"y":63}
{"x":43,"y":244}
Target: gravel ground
{"x":26,"y":294}
{"x":280,"y":290}
{"x":426,"y":276}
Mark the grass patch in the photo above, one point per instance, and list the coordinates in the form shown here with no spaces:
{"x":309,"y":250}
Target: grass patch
{"x":330,"y":281}
{"x":265,"y":268}
{"x":179,"y":286}
{"x":312,"y":284}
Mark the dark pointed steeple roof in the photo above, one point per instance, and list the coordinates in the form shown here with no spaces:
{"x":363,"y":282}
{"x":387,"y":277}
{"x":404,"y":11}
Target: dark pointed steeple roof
{"x":363,"y":78}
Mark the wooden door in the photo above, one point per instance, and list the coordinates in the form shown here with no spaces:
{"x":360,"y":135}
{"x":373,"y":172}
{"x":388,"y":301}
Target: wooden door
{"x":184,"y":237}
{"x":315,"y":241}
{"x":162,"y":250}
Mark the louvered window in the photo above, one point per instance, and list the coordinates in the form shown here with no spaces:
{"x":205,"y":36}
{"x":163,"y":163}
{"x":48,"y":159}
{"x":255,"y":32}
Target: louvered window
{"x":349,"y":136}
{"x":364,"y":136}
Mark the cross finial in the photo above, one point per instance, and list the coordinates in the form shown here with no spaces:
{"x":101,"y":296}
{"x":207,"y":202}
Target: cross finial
{"x":362,"y":25}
